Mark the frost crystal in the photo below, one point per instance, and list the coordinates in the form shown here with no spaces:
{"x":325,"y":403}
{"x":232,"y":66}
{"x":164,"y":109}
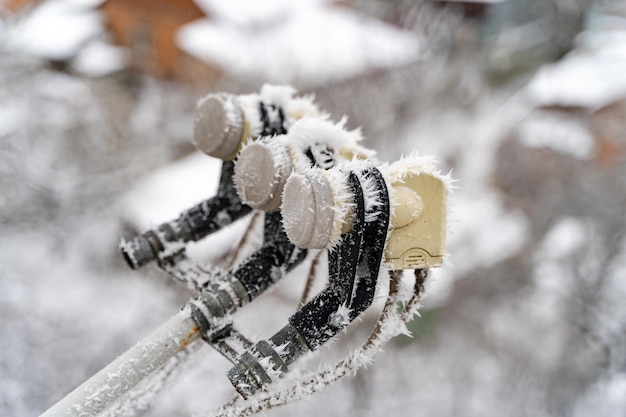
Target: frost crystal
{"x":391,"y":322}
{"x":277,"y":273}
{"x":280,"y":96}
{"x":223,"y":219}
{"x":294,"y":107}
{"x":282,"y":157}
{"x":371,"y":197}
{"x":144,"y":394}
{"x":343,"y":200}
{"x":320,"y":130}
{"x":341,"y":317}
{"x":415,"y":162}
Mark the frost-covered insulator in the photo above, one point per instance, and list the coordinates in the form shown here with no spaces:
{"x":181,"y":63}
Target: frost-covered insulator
{"x":224,"y":122}
{"x":193,"y":224}
{"x":260,"y":174}
{"x":308,"y":210}
{"x":219,"y":125}
{"x":266,"y":361}
{"x":316,"y":210}
{"x":353,"y":268}
{"x":263,"y":166}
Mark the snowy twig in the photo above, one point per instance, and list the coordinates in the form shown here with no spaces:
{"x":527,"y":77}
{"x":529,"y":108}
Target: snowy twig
{"x":391,"y":323}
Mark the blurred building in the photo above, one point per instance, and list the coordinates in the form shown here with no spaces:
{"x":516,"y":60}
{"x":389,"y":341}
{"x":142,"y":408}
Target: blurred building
{"x":149,"y":32}
{"x":15,"y":6}
{"x":589,"y":84}
{"x":199,"y":41}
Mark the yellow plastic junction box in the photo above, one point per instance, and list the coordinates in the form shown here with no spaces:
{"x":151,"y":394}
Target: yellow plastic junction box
{"x":417,"y":237}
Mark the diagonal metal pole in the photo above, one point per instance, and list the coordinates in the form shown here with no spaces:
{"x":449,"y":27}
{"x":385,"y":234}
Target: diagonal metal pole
{"x":103,"y":389}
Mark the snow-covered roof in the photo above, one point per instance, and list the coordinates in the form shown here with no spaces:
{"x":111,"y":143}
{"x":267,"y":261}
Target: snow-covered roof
{"x":56,"y":29}
{"x":472,"y":1}
{"x":100,"y":58}
{"x":307,"y":43}
{"x":281,"y":41}
{"x":592,"y":76}
{"x":251,"y":13}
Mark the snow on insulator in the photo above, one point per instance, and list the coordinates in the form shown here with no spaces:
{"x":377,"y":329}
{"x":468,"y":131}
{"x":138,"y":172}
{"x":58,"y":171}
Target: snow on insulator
{"x":263,"y":167}
{"x":261,"y":170}
{"x":281,"y":96}
{"x":218,"y":125}
{"x":320,"y":130}
{"x":284,"y":96}
{"x":223,"y":122}
{"x":317,"y":205}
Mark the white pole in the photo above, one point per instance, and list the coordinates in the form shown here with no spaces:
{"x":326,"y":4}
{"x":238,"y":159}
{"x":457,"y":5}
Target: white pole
{"x":103,"y":389}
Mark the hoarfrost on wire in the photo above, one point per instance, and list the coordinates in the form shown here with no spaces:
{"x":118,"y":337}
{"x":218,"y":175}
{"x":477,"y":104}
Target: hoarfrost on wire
{"x":76,"y":263}
{"x":302,"y":385}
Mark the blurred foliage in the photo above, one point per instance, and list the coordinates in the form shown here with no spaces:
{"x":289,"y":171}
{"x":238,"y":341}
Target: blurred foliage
{"x":421,"y":328}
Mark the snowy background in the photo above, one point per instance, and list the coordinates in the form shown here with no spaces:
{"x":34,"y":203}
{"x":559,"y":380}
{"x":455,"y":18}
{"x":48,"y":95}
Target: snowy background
{"x":525,"y":103}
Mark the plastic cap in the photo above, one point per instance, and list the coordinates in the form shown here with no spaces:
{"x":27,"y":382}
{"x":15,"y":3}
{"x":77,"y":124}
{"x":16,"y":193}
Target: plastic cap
{"x":261,"y":172}
{"x":218,"y":126}
{"x":307,"y":209}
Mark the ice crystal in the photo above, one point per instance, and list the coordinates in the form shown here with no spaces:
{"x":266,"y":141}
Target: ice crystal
{"x":280,"y":96}
{"x":310,"y":131}
{"x":280,"y":153}
{"x":414,"y":162}
{"x":294,"y":106}
{"x":371,"y":197}
{"x":341,"y":317}
{"x":391,"y":323}
{"x":144,"y":394}
{"x":343,"y":202}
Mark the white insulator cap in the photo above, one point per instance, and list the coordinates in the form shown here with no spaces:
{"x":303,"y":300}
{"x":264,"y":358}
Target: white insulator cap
{"x":308,"y":209}
{"x":261,"y":172}
{"x":218,"y":126}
